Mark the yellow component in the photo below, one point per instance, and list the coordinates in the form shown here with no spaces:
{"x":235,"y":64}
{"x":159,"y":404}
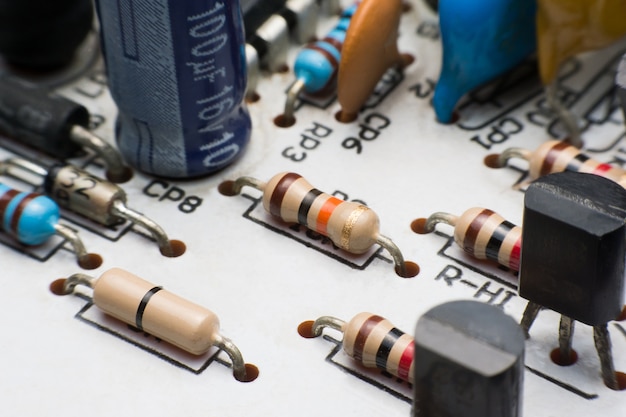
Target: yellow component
{"x":568,"y":27}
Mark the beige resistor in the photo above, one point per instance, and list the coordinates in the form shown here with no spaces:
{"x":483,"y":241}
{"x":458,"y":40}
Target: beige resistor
{"x":135,"y":301}
{"x":481,"y":233}
{"x":351,"y":226}
{"x":158,"y":312}
{"x":84,"y":194}
{"x":371,"y":340}
{"x":95,"y":198}
{"x":557,"y":156}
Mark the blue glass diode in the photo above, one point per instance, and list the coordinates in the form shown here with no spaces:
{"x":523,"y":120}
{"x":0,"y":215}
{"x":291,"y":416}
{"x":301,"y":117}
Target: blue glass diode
{"x":177,"y":72}
{"x":316,"y":66}
{"x":33,"y":218}
{"x":481,"y":40}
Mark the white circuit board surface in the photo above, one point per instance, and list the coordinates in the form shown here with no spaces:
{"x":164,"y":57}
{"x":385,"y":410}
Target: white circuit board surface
{"x":263,"y":278}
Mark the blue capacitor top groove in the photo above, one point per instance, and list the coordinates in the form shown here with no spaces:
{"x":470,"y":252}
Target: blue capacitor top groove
{"x":177,"y":72}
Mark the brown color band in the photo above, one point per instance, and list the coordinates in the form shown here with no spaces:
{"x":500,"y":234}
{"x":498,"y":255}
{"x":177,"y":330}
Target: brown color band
{"x":551,"y":156}
{"x":361,"y":337}
{"x":17,"y":214}
{"x":471,"y":234}
{"x":276,"y":201}
{"x":5,"y":199}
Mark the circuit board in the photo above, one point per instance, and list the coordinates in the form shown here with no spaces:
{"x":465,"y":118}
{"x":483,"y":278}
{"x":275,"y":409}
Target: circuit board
{"x":264,"y":277}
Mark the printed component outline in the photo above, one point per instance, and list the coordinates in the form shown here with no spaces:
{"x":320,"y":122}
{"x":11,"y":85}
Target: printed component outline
{"x":341,"y":256}
{"x":205,"y":360}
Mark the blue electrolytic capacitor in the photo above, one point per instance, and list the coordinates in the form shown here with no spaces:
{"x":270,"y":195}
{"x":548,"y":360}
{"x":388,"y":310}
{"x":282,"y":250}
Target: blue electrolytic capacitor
{"x":481,"y":40}
{"x":177,"y":73}
{"x":316,"y":65}
{"x":33,"y":218}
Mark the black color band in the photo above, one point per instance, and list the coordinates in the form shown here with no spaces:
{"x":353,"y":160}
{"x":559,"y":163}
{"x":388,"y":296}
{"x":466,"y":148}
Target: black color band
{"x":142,"y":306}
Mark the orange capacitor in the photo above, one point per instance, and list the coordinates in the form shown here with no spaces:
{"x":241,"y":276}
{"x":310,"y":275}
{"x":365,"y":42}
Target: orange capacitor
{"x":370,"y":49}
{"x":152,"y":309}
{"x":371,"y":340}
{"x":481,"y":233}
{"x":568,"y":27}
{"x":557,"y":156}
{"x":351,"y":226}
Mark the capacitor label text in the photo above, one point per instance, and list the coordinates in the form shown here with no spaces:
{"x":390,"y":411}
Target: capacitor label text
{"x":163,"y":191}
{"x":208,"y":29}
{"x":368,"y":131}
{"x":310,"y":141}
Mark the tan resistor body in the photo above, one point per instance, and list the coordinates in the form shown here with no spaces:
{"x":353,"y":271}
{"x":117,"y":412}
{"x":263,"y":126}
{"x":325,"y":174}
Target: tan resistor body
{"x":85,"y":194}
{"x":167,"y":316}
{"x":376,"y":343}
{"x":351,"y":226}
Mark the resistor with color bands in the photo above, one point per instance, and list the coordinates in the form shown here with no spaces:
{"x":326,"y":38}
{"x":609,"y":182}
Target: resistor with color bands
{"x":481,"y":233}
{"x":351,"y":226}
{"x":557,"y":156}
{"x":177,"y":72}
{"x":370,"y":340}
{"x":33,"y":218}
{"x":150,"y":308}
{"x":317,"y":64}
{"x":94,"y":198}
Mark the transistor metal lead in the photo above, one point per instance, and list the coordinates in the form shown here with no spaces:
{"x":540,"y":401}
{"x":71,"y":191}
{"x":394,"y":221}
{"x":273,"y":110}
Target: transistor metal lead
{"x":92,"y":197}
{"x":574,"y":245}
{"x":351,"y":226}
{"x":160,"y":313}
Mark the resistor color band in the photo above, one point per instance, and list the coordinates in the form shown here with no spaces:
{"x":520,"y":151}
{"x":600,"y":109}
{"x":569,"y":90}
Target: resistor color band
{"x":29,"y":217}
{"x":558,"y":156}
{"x":349,"y":225}
{"x":487,"y":235}
{"x":376,"y":343}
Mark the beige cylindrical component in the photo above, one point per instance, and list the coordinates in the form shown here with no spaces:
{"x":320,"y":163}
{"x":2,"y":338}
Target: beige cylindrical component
{"x":84,"y":194}
{"x":158,"y":312}
{"x":484,"y":234}
{"x":376,"y":343}
{"x":351,"y":226}
{"x":557,"y":156}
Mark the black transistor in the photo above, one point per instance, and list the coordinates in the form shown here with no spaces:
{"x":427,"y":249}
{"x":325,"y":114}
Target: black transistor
{"x":573,"y":251}
{"x":43,"y":35}
{"x":53,"y":124}
{"x":469,"y":362}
